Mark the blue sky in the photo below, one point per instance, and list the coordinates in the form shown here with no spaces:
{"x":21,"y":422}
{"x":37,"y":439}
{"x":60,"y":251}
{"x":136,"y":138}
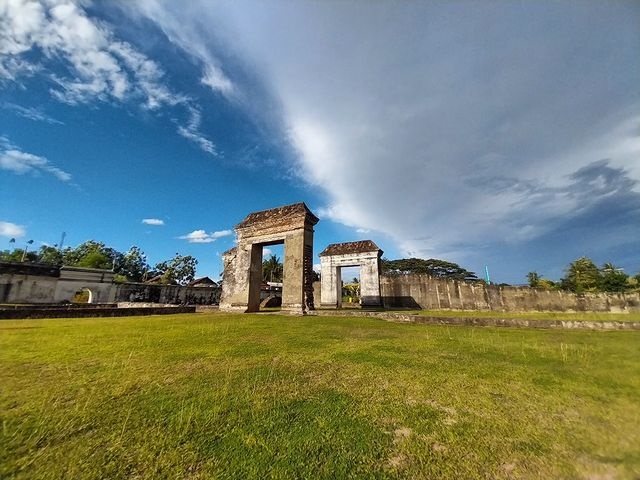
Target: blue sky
{"x":504,"y":134}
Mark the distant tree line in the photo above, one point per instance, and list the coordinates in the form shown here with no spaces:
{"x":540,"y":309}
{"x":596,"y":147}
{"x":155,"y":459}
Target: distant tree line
{"x":583,"y":275}
{"x":129,"y":266}
{"x":432,"y":266}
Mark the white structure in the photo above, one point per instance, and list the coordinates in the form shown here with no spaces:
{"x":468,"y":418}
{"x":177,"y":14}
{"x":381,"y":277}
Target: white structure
{"x":364,"y":254}
{"x":37,"y":283}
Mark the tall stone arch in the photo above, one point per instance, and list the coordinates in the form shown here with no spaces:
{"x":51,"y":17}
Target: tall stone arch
{"x":291,"y":225}
{"x":364,"y":254}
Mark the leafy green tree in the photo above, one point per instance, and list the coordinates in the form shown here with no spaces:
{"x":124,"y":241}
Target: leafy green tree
{"x":434,"y":267}
{"x":133,"y":264}
{"x":50,"y":255}
{"x":95,"y":259}
{"x":75,"y":256}
{"x":92,"y":254}
{"x":181,"y":269}
{"x":534,"y":279}
{"x":582,"y":275}
{"x":613,"y":279}
{"x":272,"y":269}
{"x":16,"y":254}
{"x":547,"y":284}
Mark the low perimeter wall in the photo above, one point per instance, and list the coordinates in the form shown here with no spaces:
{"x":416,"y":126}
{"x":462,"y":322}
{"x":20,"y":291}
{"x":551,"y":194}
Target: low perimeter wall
{"x":35,"y":312}
{"x":427,"y":293}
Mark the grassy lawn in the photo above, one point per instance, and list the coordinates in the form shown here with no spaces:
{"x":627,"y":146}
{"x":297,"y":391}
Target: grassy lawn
{"x":255,"y":396}
{"x":592,"y":317}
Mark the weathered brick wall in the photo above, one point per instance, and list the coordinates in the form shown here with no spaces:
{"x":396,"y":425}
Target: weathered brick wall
{"x":424,"y":292}
{"x":168,"y":294}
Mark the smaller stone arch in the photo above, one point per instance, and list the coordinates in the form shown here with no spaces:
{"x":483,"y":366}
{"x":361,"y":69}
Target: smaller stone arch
{"x":83,"y":295}
{"x":364,"y":254}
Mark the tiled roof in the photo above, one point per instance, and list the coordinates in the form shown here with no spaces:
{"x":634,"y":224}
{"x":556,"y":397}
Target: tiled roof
{"x":278,"y":215}
{"x":361,"y":246}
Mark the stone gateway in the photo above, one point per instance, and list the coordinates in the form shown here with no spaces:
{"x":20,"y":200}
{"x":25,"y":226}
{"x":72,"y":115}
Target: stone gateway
{"x":364,"y":254}
{"x":291,"y":225}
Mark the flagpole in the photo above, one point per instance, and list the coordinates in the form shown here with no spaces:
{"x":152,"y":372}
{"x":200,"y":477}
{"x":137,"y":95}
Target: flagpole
{"x":24,"y":252}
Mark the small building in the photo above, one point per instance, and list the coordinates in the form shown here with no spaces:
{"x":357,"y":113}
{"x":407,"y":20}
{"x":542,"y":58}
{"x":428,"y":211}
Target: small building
{"x":205,"y":282}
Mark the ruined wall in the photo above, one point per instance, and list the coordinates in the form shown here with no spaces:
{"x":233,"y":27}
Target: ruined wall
{"x":46,"y":284}
{"x":427,"y":293}
{"x":173,"y":294}
{"x":21,"y":288}
{"x":72,"y":279}
{"x":29,"y":283}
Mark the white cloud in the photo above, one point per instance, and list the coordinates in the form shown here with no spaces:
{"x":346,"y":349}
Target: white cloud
{"x":152,"y":221}
{"x":11,"y":230}
{"x":215,"y":79}
{"x":421,"y":118}
{"x":192,"y":38}
{"x":192,"y":132}
{"x":201,"y":236}
{"x":15,"y":160}
{"x":197,"y":236}
{"x":266,"y":252}
{"x":221,"y":233}
{"x":32,"y":114}
{"x":99,"y":66}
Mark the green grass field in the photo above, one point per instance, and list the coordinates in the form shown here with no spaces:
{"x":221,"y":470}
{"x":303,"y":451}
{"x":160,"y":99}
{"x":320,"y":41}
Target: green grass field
{"x":588,"y":316}
{"x":269,"y":396}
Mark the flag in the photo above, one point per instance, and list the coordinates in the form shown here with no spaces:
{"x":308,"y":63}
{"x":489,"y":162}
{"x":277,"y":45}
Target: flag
{"x":30,"y":242}
{"x":13,"y":240}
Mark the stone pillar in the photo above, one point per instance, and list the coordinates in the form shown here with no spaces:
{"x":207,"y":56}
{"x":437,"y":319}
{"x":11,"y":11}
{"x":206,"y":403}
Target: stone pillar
{"x":255,"y":279}
{"x":370,"y":283}
{"x":309,"y":301}
{"x":329,"y":275}
{"x":293,"y":277}
{"x":235,"y":279}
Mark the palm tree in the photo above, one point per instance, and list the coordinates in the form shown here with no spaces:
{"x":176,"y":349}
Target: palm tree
{"x":272,"y":269}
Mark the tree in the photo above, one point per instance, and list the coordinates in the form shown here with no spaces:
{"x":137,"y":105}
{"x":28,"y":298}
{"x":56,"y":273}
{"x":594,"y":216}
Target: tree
{"x":95,"y":259}
{"x":180,"y":269}
{"x":613,"y":279}
{"x":50,"y":255}
{"x":582,"y":276}
{"x":89,"y":254}
{"x":133,"y":264}
{"x":272,"y":269}
{"x":534,"y":279}
{"x":433,"y":266}
{"x":16,"y":255}
{"x":546,"y":284}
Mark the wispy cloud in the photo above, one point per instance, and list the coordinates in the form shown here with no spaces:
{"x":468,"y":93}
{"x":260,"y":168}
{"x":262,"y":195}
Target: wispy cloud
{"x":32,"y":113}
{"x":152,"y":221}
{"x":11,"y":230}
{"x":192,"y":38}
{"x":15,"y":160}
{"x":201,"y":236}
{"x":426,"y":98}
{"x":216,"y":80}
{"x":98,"y":65}
{"x":191,"y":131}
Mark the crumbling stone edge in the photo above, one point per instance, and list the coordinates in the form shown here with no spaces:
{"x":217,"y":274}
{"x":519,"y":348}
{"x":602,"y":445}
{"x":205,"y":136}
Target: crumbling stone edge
{"x":488,"y":322}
